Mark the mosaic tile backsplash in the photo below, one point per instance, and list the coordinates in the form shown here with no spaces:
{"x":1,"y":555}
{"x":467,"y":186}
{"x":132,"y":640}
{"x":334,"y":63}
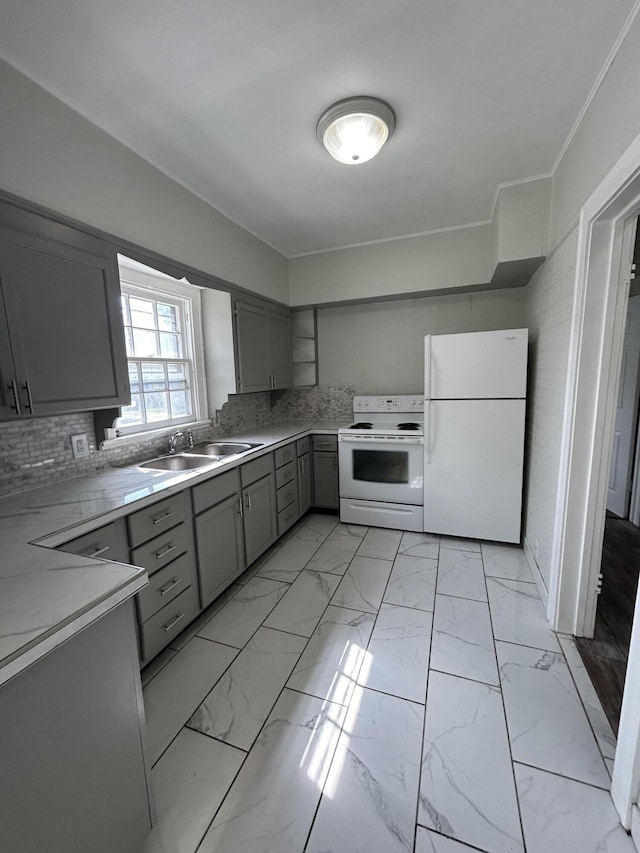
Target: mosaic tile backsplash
{"x":37,"y":451}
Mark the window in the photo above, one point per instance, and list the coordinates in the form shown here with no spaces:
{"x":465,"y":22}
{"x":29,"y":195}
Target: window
{"x":163,"y":335}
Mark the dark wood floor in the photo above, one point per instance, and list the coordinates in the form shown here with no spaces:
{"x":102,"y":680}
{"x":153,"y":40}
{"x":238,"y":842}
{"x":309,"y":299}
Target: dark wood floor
{"x":605,"y":656}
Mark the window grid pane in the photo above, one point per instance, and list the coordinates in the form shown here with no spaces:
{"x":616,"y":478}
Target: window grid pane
{"x":159,"y":373}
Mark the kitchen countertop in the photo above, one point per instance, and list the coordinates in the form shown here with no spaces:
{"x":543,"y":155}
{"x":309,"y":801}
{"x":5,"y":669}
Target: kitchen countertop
{"x":47,"y":596}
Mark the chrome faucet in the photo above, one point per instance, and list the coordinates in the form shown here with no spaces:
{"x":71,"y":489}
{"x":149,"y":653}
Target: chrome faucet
{"x":173,"y":440}
{"x":179,"y":434}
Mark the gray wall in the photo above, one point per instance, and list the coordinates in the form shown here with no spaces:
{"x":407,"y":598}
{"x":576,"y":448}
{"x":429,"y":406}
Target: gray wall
{"x":548,"y":303}
{"x":53,"y":156}
{"x":378,"y":348}
{"x":608,"y":127}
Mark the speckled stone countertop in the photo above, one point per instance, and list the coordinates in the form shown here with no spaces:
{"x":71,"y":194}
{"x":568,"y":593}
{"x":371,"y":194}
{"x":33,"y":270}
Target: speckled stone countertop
{"x":47,"y":596}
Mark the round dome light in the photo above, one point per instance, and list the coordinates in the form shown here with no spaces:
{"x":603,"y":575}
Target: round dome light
{"x":354,"y":130}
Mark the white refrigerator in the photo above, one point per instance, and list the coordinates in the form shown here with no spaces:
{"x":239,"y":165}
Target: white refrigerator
{"x":474,"y":419}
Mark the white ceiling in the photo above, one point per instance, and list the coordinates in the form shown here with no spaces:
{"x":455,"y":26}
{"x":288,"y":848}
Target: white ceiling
{"x":224,"y":96}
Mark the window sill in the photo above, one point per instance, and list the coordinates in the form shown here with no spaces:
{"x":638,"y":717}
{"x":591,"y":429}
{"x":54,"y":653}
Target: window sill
{"x":149,"y":435}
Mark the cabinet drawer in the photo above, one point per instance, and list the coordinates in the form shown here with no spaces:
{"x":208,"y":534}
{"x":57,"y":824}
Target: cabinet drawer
{"x":165,"y":585}
{"x":285,"y":474}
{"x":167,"y":623}
{"x":108,"y":543}
{"x":303,"y":445}
{"x":154,"y":519}
{"x":325,"y":442}
{"x":250,"y":472}
{"x":285,"y":454}
{"x":286,"y":495}
{"x":215,"y":490}
{"x":161,"y":550}
{"x":288,"y":516}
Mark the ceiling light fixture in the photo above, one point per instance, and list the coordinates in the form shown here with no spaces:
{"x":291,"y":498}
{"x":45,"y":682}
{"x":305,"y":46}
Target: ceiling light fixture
{"x":354,"y":130}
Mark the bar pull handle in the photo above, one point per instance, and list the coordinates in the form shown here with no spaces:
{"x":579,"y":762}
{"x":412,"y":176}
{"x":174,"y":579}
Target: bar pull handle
{"x":173,"y":622}
{"x":16,"y":397}
{"x":247,"y":500}
{"x":240,"y":508}
{"x":99,"y":551}
{"x":29,"y":403}
{"x":427,"y":367}
{"x":160,"y":518}
{"x":428,"y":417}
{"x":167,"y":550}
{"x":169,"y":586}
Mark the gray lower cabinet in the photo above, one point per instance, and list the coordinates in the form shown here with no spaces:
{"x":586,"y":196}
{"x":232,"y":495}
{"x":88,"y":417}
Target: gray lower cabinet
{"x":259,"y":506}
{"x":219,"y":534}
{"x":303,"y":451}
{"x":325,"y":472}
{"x":108,"y":543}
{"x":287,"y":505}
{"x":73,"y":775}
{"x":170,"y":601}
{"x":62,"y":343}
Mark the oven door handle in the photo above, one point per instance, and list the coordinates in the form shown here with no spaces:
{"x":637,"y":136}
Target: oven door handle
{"x":386,"y":441}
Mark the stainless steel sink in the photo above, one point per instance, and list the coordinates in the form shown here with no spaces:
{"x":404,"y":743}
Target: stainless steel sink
{"x":197,"y":457}
{"x":221,"y":449}
{"x":176,"y":462}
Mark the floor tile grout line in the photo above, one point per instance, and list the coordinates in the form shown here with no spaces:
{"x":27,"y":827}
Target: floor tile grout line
{"x":223,"y":800}
{"x":241,"y":749}
{"x":451,"y":838}
{"x":465,"y":678}
{"x":583,"y":704}
{"x":348,"y":705}
{"x":227,"y":645}
{"x":198,"y":705}
{"x":504,"y":712}
{"x":284,"y":687}
{"x":426,"y":696}
{"x":562,"y":776}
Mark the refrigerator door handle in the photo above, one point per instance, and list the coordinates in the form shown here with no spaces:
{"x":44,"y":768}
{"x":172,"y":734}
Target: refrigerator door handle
{"x":427,"y":367}
{"x":427,"y":432}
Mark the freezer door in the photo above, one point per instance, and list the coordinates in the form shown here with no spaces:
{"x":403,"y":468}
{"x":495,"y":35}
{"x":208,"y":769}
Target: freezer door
{"x":473,"y":468}
{"x":477,"y":365}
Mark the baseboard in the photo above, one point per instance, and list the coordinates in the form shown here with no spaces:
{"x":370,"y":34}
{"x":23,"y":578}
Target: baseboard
{"x":543,"y":592}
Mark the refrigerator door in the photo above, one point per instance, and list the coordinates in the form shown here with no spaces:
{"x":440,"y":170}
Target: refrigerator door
{"x":473,"y":468}
{"x":476,"y":365}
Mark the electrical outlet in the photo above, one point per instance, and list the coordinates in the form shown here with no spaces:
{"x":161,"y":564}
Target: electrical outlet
{"x":80,"y":445}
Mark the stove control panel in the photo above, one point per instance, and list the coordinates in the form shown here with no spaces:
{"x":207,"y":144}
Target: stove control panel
{"x":401,"y":403}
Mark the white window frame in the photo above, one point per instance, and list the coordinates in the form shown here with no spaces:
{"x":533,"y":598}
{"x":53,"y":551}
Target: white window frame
{"x":136,"y":280}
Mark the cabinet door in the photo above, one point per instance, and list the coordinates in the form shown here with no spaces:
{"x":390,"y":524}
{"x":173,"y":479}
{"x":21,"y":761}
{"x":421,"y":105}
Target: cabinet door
{"x":219,"y":547}
{"x":260,"y":520}
{"x":251,"y":339}
{"x":65,"y":325}
{"x":325,"y":479}
{"x":280,"y":351}
{"x":304,"y":482}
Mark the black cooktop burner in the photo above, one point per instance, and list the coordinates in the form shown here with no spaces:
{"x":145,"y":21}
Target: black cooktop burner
{"x":361,"y":426}
{"x":409,"y":425}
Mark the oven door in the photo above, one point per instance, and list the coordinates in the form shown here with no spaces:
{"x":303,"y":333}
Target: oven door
{"x":382,"y":468}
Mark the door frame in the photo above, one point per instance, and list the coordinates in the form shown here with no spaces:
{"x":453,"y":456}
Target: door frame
{"x":605,"y":247}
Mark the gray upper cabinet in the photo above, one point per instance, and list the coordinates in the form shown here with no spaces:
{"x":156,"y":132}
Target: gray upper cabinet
{"x":280,"y":350}
{"x":61,"y":334}
{"x":263,"y":349}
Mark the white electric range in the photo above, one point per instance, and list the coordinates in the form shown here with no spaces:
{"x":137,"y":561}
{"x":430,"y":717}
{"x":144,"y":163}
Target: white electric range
{"x":381,"y":463}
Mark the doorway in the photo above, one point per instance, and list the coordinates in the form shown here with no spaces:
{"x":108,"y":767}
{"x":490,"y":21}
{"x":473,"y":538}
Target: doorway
{"x":605,"y":654}
{"x":606,"y":238}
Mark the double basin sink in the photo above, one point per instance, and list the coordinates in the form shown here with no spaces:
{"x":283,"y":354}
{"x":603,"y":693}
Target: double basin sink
{"x":198,"y":456}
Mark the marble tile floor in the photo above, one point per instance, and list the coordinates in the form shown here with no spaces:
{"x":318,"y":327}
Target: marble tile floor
{"x":371,"y":690}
